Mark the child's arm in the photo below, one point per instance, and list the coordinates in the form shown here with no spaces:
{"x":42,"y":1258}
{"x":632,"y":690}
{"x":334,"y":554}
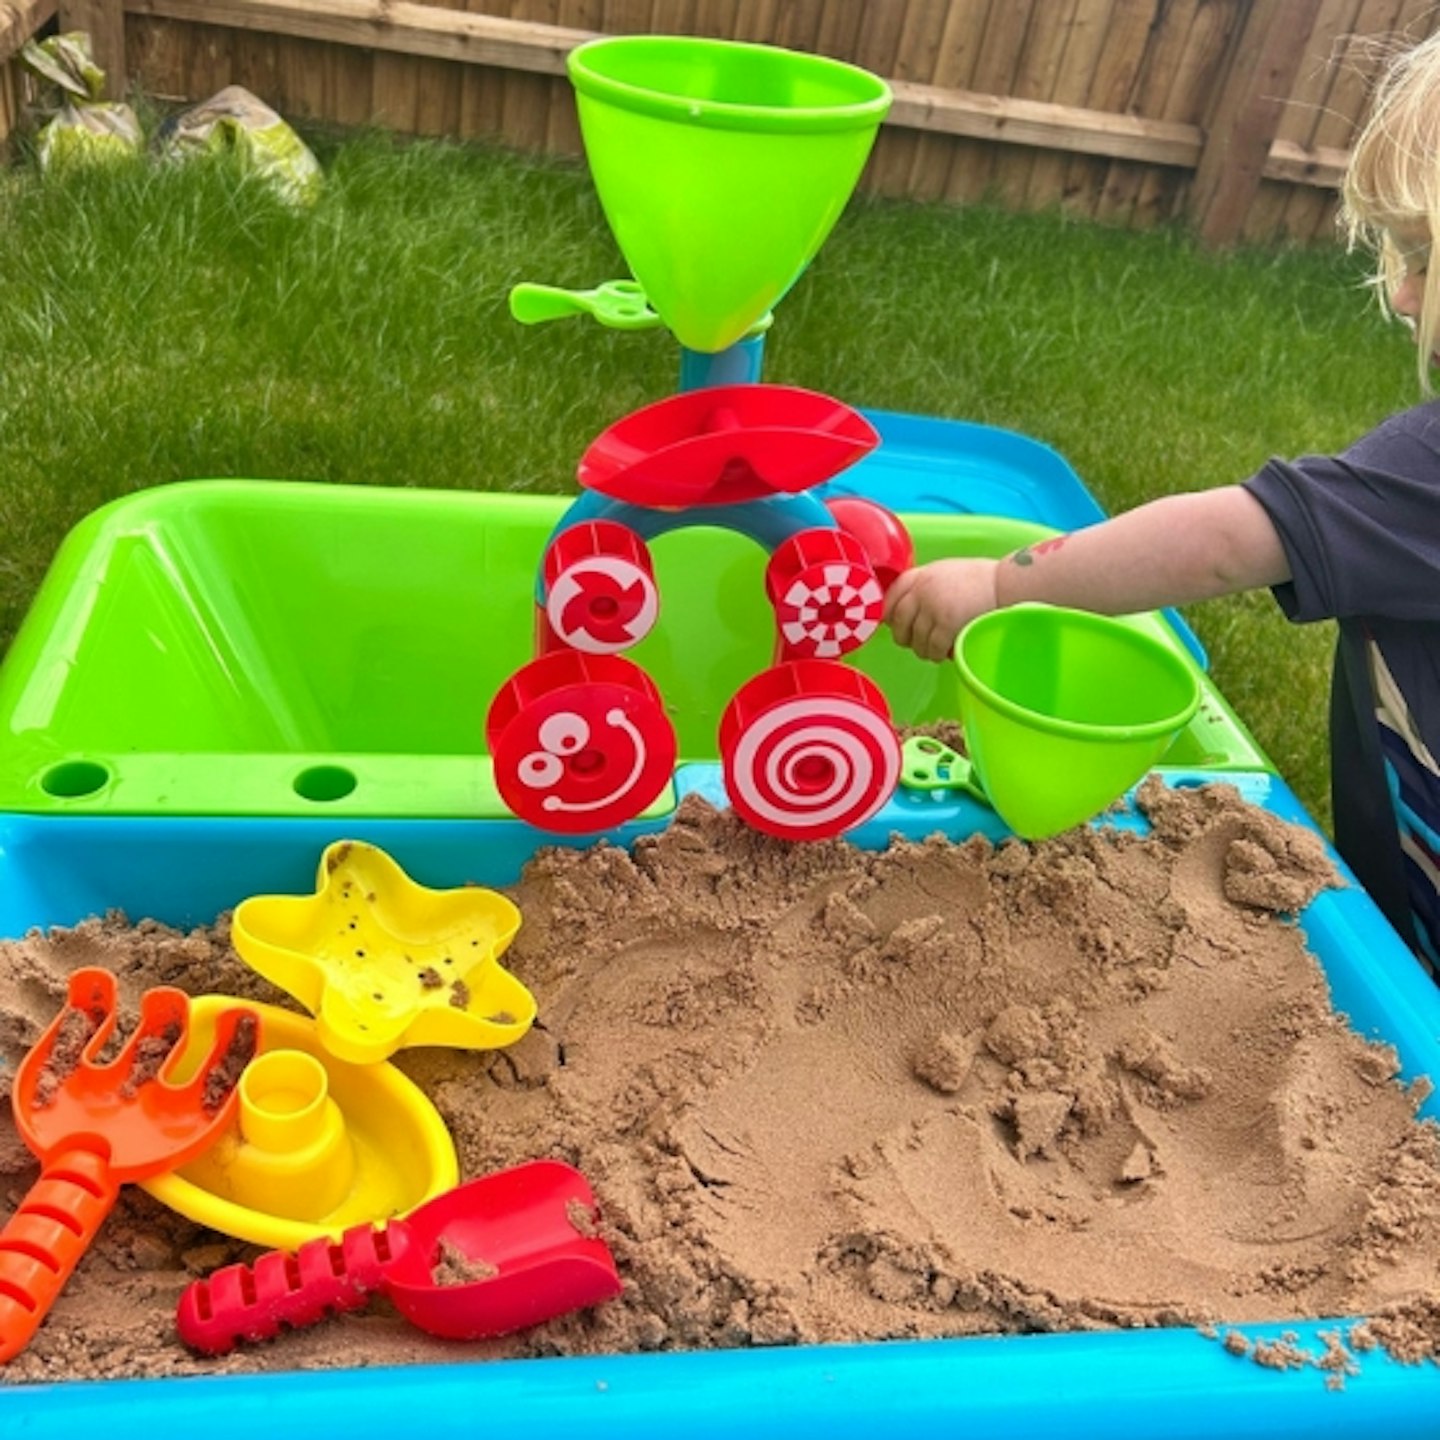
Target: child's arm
{"x":1169,"y":552}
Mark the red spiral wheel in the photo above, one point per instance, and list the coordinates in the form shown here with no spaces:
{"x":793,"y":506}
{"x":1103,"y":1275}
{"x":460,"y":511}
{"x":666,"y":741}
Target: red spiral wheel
{"x":826,"y":597}
{"x":600,"y":594}
{"x":808,"y":750}
{"x":579,"y":742}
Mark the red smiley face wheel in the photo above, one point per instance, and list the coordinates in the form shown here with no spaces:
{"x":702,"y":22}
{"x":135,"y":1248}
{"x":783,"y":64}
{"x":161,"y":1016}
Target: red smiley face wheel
{"x":579,"y":742}
{"x":600,"y":594}
{"x":808,"y":750}
{"x":826,"y":597}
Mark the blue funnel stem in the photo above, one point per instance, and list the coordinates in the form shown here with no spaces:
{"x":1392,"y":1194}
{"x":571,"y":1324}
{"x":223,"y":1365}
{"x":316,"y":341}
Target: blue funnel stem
{"x":737,"y":364}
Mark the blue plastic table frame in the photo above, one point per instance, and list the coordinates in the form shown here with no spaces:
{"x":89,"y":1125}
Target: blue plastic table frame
{"x":1164,"y":1385}
{"x":1174,"y":1383}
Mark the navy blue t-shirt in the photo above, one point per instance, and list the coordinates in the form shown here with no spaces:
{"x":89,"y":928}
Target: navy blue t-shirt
{"x":1361,"y":531}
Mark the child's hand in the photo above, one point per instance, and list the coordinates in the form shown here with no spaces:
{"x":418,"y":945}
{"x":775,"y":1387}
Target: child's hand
{"x":927,"y":607}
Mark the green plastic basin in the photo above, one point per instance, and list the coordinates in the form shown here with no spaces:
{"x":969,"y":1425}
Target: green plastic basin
{"x":234,"y":647}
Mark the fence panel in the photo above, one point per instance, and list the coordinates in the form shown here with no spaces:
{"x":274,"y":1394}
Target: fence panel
{"x":1155,"y":77}
{"x":1084,"y":45}
{"x":1200,"y":67}
{"x":1111,"y":91}
{"x":1133,"y":112}
{"x":1037,"y":72}
{"x":1301,"y":124}
{"x":1340,"y":62}
{"x":877,"y":46}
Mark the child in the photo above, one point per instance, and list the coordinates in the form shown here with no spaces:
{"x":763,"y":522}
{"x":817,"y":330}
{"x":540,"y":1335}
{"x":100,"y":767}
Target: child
{"x":1353,"y":537}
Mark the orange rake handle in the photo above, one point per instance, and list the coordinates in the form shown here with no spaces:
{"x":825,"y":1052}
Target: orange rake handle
{"x":43,"y":1241}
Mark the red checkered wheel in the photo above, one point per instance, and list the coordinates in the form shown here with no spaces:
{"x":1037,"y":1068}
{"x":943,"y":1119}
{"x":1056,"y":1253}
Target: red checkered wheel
{"x":827,"y":599}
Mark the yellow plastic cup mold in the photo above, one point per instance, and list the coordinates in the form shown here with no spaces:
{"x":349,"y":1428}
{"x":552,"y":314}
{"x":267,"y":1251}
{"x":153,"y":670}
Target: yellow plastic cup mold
{"x":318,"y":1144}
{"x":298,"y":1159}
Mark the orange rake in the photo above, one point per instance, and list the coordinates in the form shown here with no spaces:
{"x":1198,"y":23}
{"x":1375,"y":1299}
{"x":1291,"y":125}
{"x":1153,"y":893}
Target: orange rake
{"x":95,"y":1123}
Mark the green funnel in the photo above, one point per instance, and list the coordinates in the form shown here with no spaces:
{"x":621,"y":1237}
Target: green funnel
{"x":721,"y":167}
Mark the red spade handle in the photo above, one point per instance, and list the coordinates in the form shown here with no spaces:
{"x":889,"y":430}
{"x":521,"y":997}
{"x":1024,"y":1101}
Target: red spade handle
{"x":323,"y":1277}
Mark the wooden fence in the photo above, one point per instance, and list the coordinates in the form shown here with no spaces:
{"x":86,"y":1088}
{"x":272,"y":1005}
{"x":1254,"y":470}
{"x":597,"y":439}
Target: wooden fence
{"x":1234,"y":115}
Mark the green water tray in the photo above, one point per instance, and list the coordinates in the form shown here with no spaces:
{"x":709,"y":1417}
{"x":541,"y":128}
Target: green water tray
{"x":235,"y":647}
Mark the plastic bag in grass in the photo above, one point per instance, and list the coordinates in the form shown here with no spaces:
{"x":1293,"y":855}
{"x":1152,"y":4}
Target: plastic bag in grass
{"x":239,"y":123}
{"x":83,"y":128}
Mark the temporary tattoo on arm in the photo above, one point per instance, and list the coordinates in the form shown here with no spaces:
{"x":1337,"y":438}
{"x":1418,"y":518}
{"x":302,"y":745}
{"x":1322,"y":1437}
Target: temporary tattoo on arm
{"x":1028,"y":554}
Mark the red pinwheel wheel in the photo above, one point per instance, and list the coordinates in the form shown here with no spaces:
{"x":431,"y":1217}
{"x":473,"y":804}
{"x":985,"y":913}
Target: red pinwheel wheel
{"x":600,"y":587}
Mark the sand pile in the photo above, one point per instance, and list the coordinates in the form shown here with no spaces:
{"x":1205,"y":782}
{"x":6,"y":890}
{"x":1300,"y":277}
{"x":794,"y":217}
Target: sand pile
{"x":824,"y":1094}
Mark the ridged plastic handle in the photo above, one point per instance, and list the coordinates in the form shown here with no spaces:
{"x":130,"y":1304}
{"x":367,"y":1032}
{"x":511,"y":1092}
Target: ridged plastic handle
{"x":43,"y":1241}
{"x":253,"y":1302}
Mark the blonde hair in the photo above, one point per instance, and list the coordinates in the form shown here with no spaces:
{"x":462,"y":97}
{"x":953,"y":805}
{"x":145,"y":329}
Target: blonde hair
{"x":1393,"y":179}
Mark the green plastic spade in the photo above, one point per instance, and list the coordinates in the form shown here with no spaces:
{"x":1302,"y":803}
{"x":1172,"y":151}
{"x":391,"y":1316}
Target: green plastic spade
{"x":926,"y":764}
{"x":721,"y":168}
{"x":618,"y":304}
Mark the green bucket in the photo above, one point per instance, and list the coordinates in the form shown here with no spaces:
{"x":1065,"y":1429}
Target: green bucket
{"x":1064,"y":711}
{"x":721,"y":167}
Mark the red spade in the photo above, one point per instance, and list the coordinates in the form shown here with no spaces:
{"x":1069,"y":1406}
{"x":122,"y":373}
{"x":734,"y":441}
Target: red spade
{"x":726,"y":444}
{"x":499,"y":1253}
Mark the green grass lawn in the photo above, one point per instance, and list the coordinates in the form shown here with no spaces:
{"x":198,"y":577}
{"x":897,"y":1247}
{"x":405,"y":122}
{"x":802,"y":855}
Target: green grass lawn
{"x":158,"y":325}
